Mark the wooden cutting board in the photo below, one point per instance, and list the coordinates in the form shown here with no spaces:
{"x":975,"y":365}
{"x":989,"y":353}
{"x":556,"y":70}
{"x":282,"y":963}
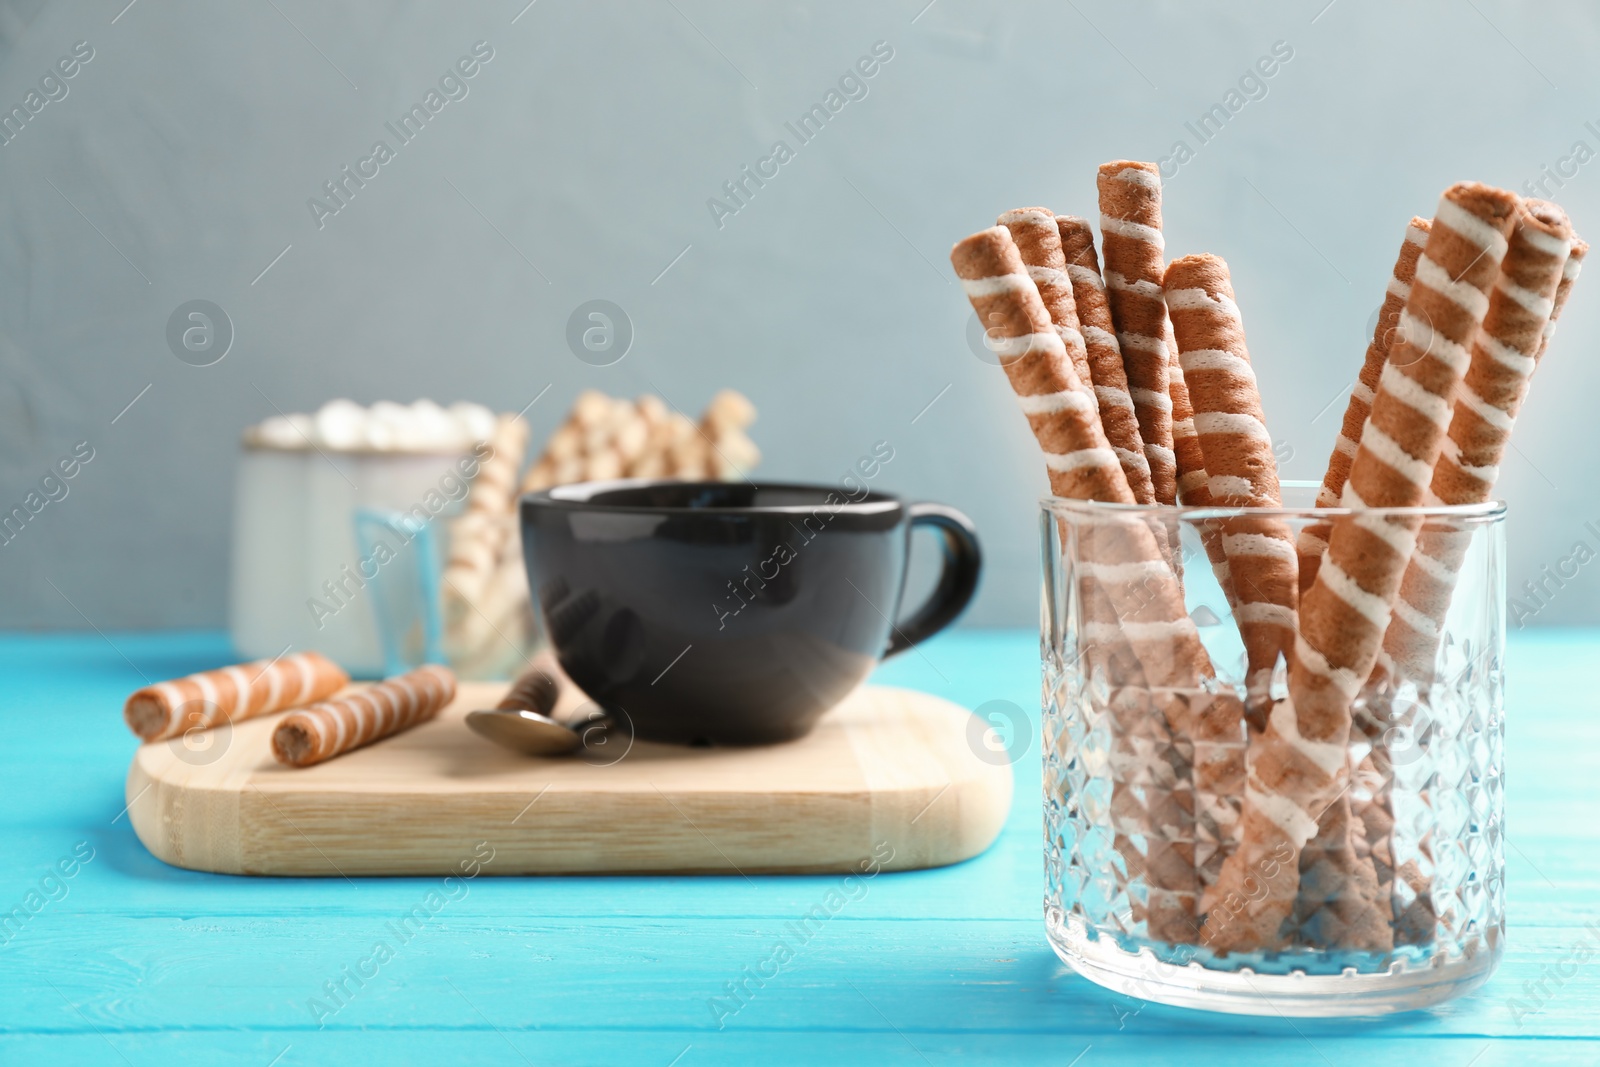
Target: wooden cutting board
{"x":889,"y":776}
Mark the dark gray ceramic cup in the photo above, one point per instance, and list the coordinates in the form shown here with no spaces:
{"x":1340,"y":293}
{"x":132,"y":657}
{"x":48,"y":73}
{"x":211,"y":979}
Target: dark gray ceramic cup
{"x":731,"y":613}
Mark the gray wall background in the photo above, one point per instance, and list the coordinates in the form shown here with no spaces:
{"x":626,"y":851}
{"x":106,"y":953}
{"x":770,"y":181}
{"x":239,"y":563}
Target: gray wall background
{"x":179,"y":164}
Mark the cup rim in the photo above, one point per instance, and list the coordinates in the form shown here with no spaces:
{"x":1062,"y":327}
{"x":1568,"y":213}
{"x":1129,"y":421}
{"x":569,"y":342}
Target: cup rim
{"x":564,"y":497}
{"x":1487,"y":511}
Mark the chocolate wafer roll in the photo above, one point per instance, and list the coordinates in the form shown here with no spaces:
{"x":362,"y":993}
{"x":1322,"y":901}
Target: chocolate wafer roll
{"x":536,"y":689}
{"x":1194,"y":484}
{"x":1106,"y":372}
{"x":1078,"y":459}
{"x":1503,"y":357}
{"x":1130,"y":235}
{"x":1061,"y":412}
{"x":1313,"y":540}
{"x":1143,"y":789}
{"x":1242,"y":471}
{"x":335,"y":727}
{"x":1298,"y":765}
{"x":1122,"y":556}
{"x":1033,"y":231}
{"x":1569,"y":277}
{"x":1342,"y":903}
{"x":232,"y":694}
{"x":1504,"y":354}
{"x":1194,"y":489}
{"x":1535,"y":278}
{"x":1109,"y":380}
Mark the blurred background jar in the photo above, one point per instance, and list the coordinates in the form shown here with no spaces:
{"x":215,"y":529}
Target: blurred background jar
{"x":340,"y":531}
{"x":387,"y":537}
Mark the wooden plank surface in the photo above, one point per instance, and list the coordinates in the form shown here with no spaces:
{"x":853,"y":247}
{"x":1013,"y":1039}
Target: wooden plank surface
{"x":144,"y":963}
{"x":889,"y":779}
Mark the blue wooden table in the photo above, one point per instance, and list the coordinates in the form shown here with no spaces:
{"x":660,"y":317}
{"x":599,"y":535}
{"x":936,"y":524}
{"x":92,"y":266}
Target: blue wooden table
{"x":126,"y":960}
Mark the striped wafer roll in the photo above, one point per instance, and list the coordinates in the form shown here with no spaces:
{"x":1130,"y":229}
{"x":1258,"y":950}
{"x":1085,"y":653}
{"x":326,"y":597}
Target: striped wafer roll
{"x":1194,"y":484}
{"x":1342,"y":902}
{"x":232,"y":694}
{"x":1122,"y":556}
{"x":1194,"y":488}
{"x":1061,"y":412}
{"x":1150,"y":787}
{"x":1298,"y":765}
{"x":1125,"y":557}
{"x":1110,"y":382}
{"x":1569,"y":277}
{"x":1106,"y":372}
{"x":1242,"y":471}
{"x":1313,"y":540}
{"x":488,"y":629}
{"x":536,"y":689}
{"x":334,"y":727}
{"x":477,"y":538}
{"x":1504,"y":354}
{"x":1540,"y":265}
{"x":1130,"y":236}
{"x":1033,"y":231}
{"x":495,"y":487}
{"x":1324,"y":912}
{"x":1079,"y":461}
{"x":1144,"y":789}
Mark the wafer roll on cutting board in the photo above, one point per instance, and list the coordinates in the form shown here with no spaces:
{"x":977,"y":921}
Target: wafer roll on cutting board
{"x":334,"y":727}
{"x":232,"y":694}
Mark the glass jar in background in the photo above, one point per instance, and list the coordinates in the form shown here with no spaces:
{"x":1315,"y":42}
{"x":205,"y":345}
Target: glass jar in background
{"x":342,"y":551}
{"x":1125,"y":838}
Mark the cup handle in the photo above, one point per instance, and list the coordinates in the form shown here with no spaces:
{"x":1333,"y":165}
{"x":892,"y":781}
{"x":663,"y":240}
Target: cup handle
{"x":958,"y":580}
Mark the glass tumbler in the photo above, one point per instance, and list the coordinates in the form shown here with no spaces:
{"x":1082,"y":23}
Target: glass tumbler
{"x":1132,"y":854}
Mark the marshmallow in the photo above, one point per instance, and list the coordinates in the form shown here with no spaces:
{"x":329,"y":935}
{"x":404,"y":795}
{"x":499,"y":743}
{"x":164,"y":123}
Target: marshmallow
{"x":343,"y":425}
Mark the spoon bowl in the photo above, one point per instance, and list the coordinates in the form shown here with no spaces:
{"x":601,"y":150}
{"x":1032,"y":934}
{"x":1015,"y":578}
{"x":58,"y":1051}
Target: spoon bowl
{"x":526,"y":731}
{"x":541,"y":715}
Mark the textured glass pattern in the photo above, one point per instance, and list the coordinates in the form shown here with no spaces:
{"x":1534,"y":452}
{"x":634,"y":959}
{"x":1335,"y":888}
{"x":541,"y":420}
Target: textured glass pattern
{"x":1425,"y":802}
